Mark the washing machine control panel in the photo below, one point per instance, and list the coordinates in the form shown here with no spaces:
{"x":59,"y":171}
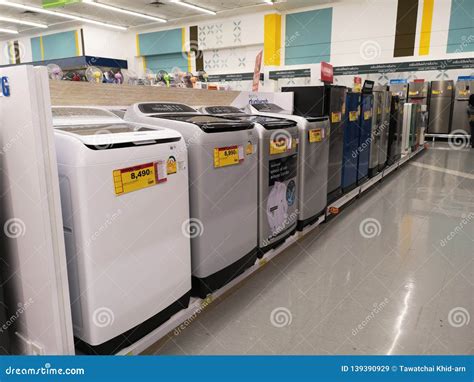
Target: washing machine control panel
{"x":154,"y":108}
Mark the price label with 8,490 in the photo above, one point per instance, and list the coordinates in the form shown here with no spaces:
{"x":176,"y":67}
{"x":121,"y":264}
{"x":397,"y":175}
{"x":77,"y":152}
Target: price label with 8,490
{"x":138,"y":177}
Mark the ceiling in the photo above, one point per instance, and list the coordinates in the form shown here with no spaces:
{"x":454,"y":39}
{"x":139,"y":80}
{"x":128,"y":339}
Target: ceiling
{"x":165,"y":9}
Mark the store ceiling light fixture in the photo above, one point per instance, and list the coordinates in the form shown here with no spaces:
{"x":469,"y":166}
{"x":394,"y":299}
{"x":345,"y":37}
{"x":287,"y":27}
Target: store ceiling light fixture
{"x":9,"y":31}
{"x":59,"y":14}
{"x":124,"y":11}
{"x":22,"y":22}
{"x":271,"y":2}
{"x":195,"y":7}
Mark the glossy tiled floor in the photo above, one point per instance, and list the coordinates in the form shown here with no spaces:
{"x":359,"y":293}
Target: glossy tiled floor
{"x":399,"y":283}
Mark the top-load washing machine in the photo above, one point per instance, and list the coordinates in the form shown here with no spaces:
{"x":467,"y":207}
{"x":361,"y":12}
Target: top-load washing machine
{"x":384,"y":128}
{"x":277,"y":216}
{"x":375,"y":133}
{"x":351,"y":142}
{"x":223,"y":186}
{"x":313,"y":156}
{"x":319,"y":101}
{"x":129,"y":266}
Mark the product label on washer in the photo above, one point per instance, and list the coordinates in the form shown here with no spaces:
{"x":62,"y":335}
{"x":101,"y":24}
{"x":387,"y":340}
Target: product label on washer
{"x":316,"y":135}
{"x":353,"y":116}
{"x":282,"y":169}
{"x":280,"y":145}
{"x":171,"y":166}
{"x":336,"y":117}
{"x":138,"y":177}
{"x":228,"y":156}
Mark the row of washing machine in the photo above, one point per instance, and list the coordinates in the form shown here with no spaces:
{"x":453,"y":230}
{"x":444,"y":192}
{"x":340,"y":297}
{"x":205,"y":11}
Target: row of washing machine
{"x":170,"y":202}
{"x":166,"y":201}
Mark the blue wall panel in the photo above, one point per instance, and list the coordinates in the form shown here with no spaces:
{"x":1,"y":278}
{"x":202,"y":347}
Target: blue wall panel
{"x":461,"y":27}
{"x":60,"y":45}
{"x":167,"y":62}
{"x":36,"y":49}
{"x":164,"y":42}
{"x":308,"y":37}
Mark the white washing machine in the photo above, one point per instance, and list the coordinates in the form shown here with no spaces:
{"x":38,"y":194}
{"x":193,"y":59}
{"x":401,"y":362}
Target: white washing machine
{"x":313,"y":161}
{"x":277,"y":203}
{"x":223,"y":171}
{"x":129,"y":265}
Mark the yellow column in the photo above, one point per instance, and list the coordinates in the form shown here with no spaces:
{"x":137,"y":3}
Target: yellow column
{"x":272,"y":40}
{"x":426,"y":22}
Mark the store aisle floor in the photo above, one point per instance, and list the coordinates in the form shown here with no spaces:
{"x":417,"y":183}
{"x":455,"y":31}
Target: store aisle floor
{"x":384,"y":277}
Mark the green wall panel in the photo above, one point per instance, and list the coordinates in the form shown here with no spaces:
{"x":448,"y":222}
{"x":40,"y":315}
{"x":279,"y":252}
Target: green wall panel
{"x":163,"y":42}
{"x":461,"y":27}
{"x":308,"y":37}
{"x":167,"y":62}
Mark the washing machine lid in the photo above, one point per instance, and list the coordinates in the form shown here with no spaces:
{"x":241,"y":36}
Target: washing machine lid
{"x":269,"y":123}
{"x":118,"y":135}
{"x":66,"y":115}
{"x":208,"y":123}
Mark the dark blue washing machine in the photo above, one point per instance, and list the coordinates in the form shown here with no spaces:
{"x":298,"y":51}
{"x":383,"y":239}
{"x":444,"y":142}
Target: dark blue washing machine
{"x":351,"y":142}
{"x":365,"y":123}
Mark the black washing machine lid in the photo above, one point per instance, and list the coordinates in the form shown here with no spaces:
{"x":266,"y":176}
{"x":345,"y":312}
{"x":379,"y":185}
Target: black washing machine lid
{"x":222,"y":110}
{"x":209,"y":123}
{"x":269,"y":123}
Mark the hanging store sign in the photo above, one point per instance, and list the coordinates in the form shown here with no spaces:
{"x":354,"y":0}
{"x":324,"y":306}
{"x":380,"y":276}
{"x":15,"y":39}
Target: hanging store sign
{"x":297,"y":73}
{"x":410,"y":66}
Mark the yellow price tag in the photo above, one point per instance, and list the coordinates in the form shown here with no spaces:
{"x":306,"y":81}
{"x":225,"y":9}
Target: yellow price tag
{"x":279,"y":147}
{"x":227,"y":156}
{"x":367,"y":115}
{"x":353,"y":116}
{"x":138,"y":177}
{"x":436,"y":92}
{"x":336,"y":117}
{"x":315,"y":135}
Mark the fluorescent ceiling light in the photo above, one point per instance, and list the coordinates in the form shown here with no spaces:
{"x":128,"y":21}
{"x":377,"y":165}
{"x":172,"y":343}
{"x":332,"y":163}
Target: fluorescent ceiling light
{"x":195,"y":7}
{"x":269,"y":2}
{"x":59,"y":14}
{"x":11,"y":31}
{"x":125,"y":11}
{"x":23,"y":22}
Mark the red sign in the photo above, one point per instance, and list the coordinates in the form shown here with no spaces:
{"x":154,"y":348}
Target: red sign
{"x":357,"y":84}
{"x":418,"y":80}
{"x":327,"y":72}
{"x":256,"y":71}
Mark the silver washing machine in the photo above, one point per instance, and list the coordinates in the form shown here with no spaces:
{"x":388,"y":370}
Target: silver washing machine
{"x":277,"y":174}
{"x":223,"y":187}
{"x":313,"y":159}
